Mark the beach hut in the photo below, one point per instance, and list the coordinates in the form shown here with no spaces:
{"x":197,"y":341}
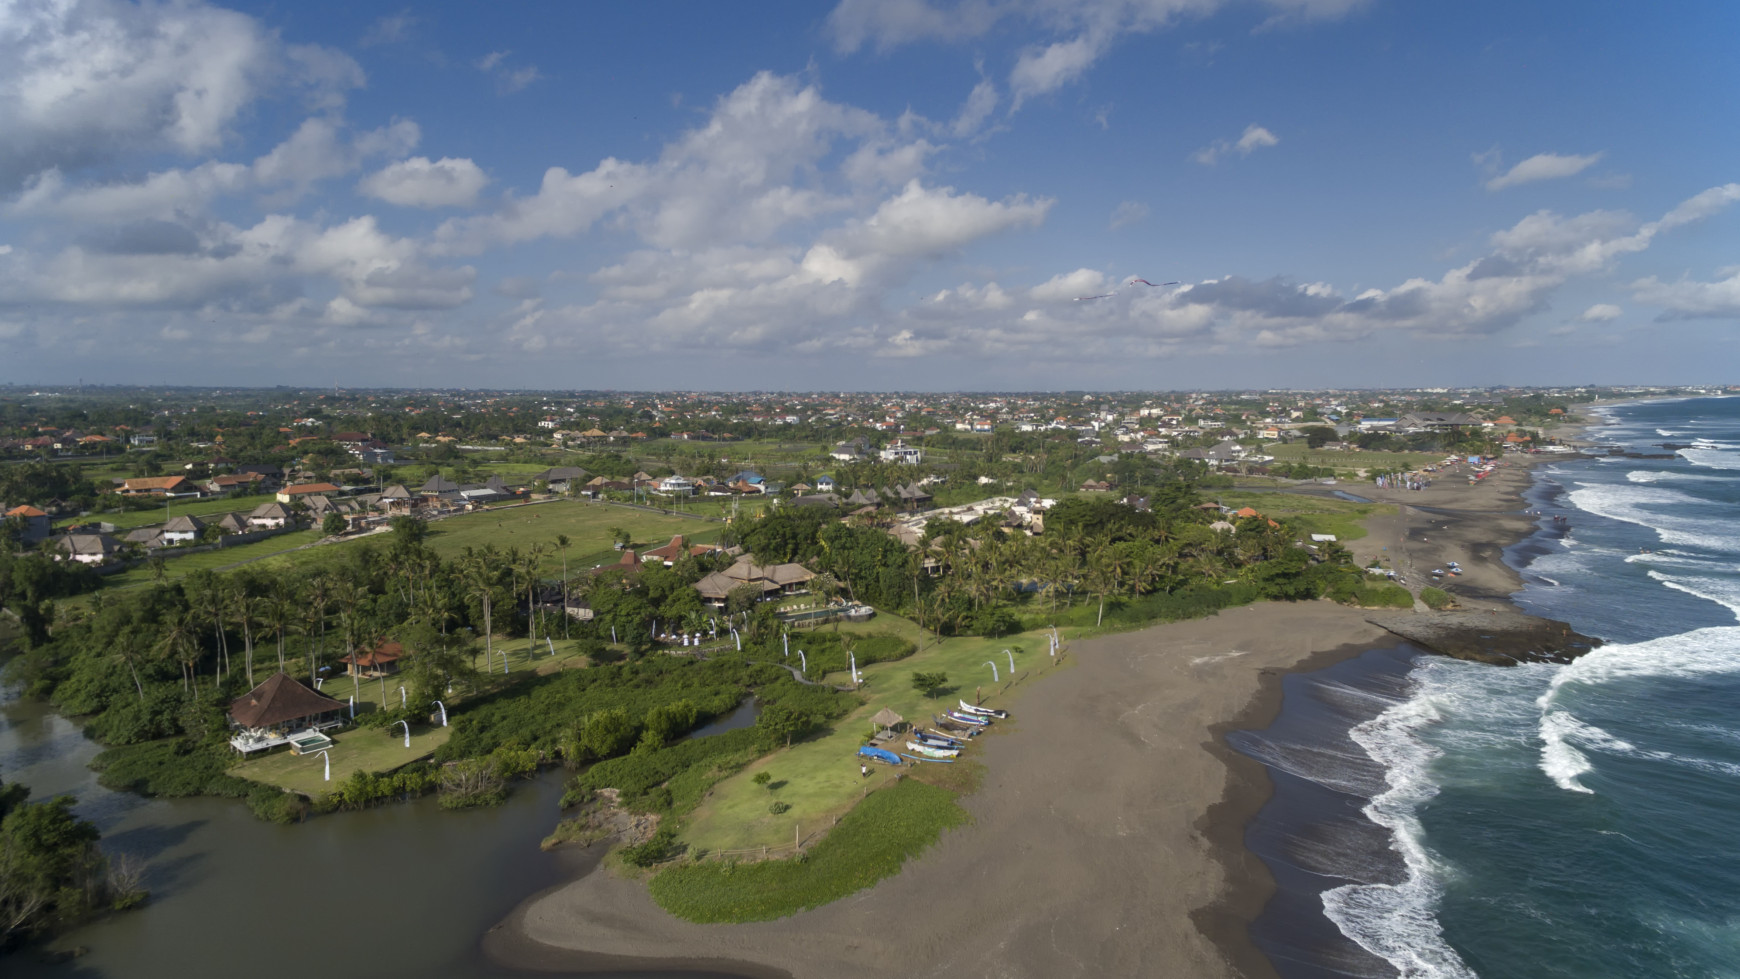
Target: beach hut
{"x":887,"y":720}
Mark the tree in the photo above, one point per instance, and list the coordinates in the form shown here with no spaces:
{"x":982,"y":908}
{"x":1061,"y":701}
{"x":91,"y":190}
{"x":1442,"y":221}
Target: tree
{"x":621,"y":537}
{"x":929,"y":683}
{"x":332,"y":524}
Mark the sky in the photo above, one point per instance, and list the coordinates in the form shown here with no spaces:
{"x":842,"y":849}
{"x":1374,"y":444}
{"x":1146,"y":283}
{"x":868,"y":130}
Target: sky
{"x":870,"y":195}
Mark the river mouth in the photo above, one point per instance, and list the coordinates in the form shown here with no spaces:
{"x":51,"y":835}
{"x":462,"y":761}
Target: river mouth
{"x":398,"y":890}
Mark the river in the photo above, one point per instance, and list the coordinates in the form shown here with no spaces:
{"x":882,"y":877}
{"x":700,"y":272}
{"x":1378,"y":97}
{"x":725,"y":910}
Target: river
{"x":398,"y":890}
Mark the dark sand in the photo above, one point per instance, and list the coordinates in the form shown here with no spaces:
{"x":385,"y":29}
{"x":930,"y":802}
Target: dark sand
{"x":1108,"y":836}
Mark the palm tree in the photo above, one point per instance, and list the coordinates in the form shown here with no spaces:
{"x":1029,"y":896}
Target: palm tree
{"x":562,"y":545}
{"x":480,"y":570}
{"x":127,"y":650}
{"x":275,"y":615}
{"x":318,"y":597}
{"x":177,"y":643}
{"x":247,"y":607}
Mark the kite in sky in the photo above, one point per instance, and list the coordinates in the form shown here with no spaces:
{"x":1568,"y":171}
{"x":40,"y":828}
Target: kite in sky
{"x":1133,"y":280}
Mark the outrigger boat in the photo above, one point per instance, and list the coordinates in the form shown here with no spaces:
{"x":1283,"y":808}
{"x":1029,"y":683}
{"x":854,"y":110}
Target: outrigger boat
{"x":983,"y":711}
{"x":968,"y":719}
{"x":931,"y":751}
{"x":937,"y":740}
{"x":887,"y":757}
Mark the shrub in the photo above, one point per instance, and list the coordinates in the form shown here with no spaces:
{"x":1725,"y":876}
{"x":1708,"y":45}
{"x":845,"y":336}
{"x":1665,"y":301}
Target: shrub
{"x":778,"y":808}
{"x":1436,"y":598}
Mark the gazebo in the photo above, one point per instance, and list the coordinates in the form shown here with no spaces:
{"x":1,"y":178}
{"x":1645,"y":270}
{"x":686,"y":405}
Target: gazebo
{"x":888,"y":721}
{"x":283,"y":711}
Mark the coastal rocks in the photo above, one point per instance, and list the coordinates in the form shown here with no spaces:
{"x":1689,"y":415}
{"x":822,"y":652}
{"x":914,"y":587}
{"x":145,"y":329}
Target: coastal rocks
{"x":1498,"y":636}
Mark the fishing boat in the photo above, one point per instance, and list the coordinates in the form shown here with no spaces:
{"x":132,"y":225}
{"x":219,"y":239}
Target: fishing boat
{"x":877,"y":754}
{"x":968,"y":719}
{"x":930,"y":751}
{"x":957,"y":740}
{"x":934,"y":761}
{"x":983,"y":711}
{"x":935,"y":740}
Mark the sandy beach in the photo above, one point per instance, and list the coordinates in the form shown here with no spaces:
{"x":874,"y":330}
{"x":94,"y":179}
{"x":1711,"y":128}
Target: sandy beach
{"x":1107,"y":838}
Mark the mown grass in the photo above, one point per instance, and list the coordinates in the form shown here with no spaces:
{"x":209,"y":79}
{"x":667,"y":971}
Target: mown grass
{"x":1312,"y":514}
{"x":819,"y":778}
{"x":363,"y":749}
{"x":870,"y":843}
{"x":126,"y":520}
{"x":1371,"y":462}
{"x":586,"y":524}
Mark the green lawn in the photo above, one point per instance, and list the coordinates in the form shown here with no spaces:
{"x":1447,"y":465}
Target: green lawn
{"x":820,"y":777}
{"x":1371,"y":462}
{"x":359,"y":749}
{"x":586,"y":524}
{"x":1314,"y":514}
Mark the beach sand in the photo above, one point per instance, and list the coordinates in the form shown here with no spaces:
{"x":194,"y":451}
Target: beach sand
{"x":1107,"y":837}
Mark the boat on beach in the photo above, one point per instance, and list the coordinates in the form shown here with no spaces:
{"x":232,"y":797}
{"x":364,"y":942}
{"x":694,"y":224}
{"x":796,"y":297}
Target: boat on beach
{"x":983,"y":711}
{"x":877,"y":754}
{"x":931,"y":751}
{"x":972,"y":719}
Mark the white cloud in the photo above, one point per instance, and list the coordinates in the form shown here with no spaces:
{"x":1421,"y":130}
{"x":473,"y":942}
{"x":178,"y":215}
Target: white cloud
{"x":508,"y":79}
{"x":418,"y":182}
{"x":390,"y":29}
{"x":1254,"y":137}
{"x":84,"y":81}
{"x":1076,"y":33}
{"x":1543,"y":166}
{"x":1127,"y":213}
{"x":1601,"y":313}
{"x":1690,"y":299}
{"x":981,"y":102}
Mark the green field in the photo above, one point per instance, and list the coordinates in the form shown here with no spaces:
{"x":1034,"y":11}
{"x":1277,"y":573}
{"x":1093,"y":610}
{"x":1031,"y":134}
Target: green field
{"x":129,"y":519}
{"x":586,"y":524}
{"x":364,"y":749}
{"x":819,"y":778}
{"x":180,"y":567}
{"x":1370,"y":462}
{"x":1313,"y":514}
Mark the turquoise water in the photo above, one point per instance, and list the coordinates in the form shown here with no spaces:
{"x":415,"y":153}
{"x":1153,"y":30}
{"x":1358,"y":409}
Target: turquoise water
{"x":1541,"y":820}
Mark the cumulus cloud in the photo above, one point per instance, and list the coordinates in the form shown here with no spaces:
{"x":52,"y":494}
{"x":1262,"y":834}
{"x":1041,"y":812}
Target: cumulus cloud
{"x":1254,"y":138}
{"x":1691,"y":299}
{"x":1601,"y":313}
{"x":418,"y":182}
{"x":1542,"y":166}
{"x":85,"y":81}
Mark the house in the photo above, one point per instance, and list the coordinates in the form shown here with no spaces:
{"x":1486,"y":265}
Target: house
{"x":270,"y":516}
{"x":396,"y":499}
{"x":275,"y":711}
{"x":33,"y":524}
{"x":379,"y":661}
{"x":438,"y":488}
{"x":826,"y":484}
{"x":676,"y":485}
{"x":234,"y":523}
{"x":150,"y":538}
{"x":86,"y":548}
{"x":235,"y":483}
{"x":853,"y":451}
{"x":675,"y":550}
{"x":182,"y":529}
{"x":898,"y":451}
{"x":1435,"y":421}
{"x":302,"y":491}
{"x":158,"y":486}
{"x":561,"y":478}
{"x":376,"y":456}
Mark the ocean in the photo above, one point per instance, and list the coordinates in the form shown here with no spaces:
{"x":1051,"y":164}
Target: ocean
{"x":1440,"y":818}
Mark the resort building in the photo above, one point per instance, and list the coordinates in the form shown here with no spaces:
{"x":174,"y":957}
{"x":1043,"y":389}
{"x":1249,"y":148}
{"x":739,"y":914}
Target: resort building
{"x":283,"y":711}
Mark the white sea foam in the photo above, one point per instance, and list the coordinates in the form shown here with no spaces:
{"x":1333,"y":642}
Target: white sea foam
{"x":1700,"y":652}
{"x":1670,"y":558}
{"x":1626,"y":502}
{"x":1657,"y":476}
{"x":1711,"y":458}
{"x":1722,"y":591}
{"x":1562,"y":762}
{"x":1398,"y":922}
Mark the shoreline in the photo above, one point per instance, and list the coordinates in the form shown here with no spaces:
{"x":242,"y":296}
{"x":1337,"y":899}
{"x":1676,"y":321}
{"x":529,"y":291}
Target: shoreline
{"x":1190,"y":868}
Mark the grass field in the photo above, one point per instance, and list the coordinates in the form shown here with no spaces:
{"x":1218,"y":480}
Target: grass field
{"x":819,"y":778}
{"x":586,"y":524}
{"x":129,"y":519}
{"x":1371,"y":462}
{"x":1315,"y":514}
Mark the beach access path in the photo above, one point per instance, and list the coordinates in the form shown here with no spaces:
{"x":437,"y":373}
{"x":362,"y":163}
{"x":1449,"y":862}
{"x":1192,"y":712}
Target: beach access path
{"x":1107,"y":838}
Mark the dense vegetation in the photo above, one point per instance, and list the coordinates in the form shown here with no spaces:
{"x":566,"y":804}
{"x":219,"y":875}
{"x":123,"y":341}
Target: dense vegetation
{"x":51,"y":872}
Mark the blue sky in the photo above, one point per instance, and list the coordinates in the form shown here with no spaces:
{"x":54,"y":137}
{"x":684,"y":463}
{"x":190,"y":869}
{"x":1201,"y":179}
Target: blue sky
{"x":895,"y":194}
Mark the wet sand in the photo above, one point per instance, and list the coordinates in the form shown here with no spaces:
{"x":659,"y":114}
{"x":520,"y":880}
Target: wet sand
{"x":1108,"y":836}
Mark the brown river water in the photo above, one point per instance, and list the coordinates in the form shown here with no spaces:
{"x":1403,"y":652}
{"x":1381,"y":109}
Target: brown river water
{"x":400,"y":890}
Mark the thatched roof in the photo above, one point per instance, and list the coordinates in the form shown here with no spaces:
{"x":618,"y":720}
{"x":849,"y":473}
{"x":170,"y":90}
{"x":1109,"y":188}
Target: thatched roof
{"x":280,"y":699}
{"x":886,"y":717}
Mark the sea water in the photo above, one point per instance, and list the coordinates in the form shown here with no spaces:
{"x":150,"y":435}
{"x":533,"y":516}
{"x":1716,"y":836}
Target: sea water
{"x":1440,"y":818}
